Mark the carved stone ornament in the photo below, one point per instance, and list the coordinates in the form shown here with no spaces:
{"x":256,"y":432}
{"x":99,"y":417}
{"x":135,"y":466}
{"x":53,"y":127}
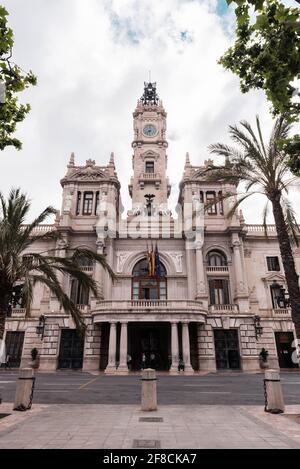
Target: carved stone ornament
{"x":177,"y":259}
{"x":121,"y":259}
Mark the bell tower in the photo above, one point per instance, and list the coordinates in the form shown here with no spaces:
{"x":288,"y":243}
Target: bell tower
{"x":149,"y":159}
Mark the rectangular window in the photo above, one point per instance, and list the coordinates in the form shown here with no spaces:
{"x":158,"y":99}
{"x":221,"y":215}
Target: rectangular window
{"x":149,"y":166}
{"x":87,"y":203}
{"x":212,"y":208}
{"x":78,"y":203}
{"x":201,"y":197}
{"x":221,"y":207}
{"x":273,"y":263}
{"x":97,"y":202}
{"x":219,"y":291}
{"x":79,"y":294}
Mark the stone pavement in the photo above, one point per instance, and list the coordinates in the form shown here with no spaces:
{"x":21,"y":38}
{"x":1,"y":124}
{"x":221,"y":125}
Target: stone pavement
{"x":119,"y":427}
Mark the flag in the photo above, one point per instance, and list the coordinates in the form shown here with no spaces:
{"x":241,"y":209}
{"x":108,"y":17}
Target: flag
{"x":152,"y":262}
{"x":157,"y":263}
{"x":149,"y":262}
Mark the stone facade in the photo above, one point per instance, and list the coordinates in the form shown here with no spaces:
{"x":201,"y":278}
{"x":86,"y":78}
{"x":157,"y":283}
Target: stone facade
{"x":215,"y":308}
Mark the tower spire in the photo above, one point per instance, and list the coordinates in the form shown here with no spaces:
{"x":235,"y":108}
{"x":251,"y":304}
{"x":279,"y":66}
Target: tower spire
{"x":72,"y":160}
{"x":187,"y":159}
{"x":112,"y":159}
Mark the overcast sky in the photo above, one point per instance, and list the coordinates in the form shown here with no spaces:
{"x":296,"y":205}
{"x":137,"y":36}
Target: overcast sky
{"x":92,"y":57}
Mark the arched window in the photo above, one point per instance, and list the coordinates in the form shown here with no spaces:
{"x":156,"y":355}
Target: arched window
{"x":79,"y":293}
{"x":145,"y":287}
{"x":216,"y":258}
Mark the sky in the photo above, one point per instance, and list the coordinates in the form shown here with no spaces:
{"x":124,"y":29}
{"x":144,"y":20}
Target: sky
{"x":91,"y":58}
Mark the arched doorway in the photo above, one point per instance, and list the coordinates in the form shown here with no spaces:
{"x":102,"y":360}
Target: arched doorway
{"x":149,"y":287}
{"x":149,"y":342}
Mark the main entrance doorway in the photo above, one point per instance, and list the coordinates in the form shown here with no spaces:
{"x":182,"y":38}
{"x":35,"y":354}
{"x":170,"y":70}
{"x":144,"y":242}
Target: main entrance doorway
{"x":149,"y":346}
{"x":71,"y":349}
{"x":14,"y":346}
{"x":227,"y":349}
{"x":285,"y":350}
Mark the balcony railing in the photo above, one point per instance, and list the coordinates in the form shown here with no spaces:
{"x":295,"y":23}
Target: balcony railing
{"x":281,"y":313}
{"x":219,"y":309}
{"x":87,"y":269}
{"x":189,"y":305}
{"x":17,"y":313}
{"x":217,"y":268}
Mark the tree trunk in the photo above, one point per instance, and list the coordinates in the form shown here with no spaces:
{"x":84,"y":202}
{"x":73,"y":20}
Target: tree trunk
{"x":292,"y":278}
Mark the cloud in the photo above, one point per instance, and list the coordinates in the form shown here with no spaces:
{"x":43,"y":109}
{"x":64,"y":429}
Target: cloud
{"x":91,"y":59}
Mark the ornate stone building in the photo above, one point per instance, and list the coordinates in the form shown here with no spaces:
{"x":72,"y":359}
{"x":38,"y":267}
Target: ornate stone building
{"x":218,"y":295}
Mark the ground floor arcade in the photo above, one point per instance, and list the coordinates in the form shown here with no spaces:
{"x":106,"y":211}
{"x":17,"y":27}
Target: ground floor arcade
{"x":127,"y":344}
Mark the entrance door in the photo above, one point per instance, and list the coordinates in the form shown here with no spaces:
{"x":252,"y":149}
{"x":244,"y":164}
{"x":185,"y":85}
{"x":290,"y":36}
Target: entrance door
{"x":14,"y":346}
{"x":151,"y":343}
{"x":284,"y":342}
{"x":227,"y":349}
{"x":71,"y":349}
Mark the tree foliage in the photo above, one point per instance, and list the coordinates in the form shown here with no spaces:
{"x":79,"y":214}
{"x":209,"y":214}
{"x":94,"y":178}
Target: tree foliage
{"x":12,"y":81}
{"x":266,"y":55}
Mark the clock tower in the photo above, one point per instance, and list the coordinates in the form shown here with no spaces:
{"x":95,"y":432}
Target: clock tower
{"x":149,"y":159}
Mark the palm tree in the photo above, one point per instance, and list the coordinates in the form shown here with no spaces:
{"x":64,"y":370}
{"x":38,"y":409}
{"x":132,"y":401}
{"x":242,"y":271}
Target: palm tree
{"x":263,"y":168}
{"x":32,"y":268}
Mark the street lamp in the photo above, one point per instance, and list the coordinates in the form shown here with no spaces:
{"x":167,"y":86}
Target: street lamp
{"x":40,"y":328}
{"x":258,"y":327}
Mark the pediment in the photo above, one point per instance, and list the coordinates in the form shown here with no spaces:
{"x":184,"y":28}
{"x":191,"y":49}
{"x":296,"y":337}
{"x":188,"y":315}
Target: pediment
{"x":87,"y":174}
{"x":149,"y":154}
{"x":273,"y":276}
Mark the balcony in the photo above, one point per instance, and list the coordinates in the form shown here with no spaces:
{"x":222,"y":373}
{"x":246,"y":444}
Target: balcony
{"x":147,"y":310}
{"x":217,"y":269}
{"x":17,"y":313}
{"x":284,"y":313}
{"x":223,"y":309}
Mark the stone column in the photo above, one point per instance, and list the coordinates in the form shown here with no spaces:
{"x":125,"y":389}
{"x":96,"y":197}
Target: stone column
{"x":200,"y":276}
{"x":111,"y":366}
{"x":174,"y":347}
{"x":123,"y":348}
{"x":190,"y":274}
{"x":99,"y":271}
{"x":186,"y":347}
{"x":239,"y":275}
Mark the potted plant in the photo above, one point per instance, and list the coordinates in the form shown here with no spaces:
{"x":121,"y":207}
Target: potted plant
{"x":263,"y":358}
{"x":34,"y":358}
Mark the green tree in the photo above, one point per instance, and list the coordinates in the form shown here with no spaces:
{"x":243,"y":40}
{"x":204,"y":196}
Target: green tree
{"x":12,"y":81}
{"x":266,"y":55}
{"x":20,"y":265}
{"x":263,"y":168}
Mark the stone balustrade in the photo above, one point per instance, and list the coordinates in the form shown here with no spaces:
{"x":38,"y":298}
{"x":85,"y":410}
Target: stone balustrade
{"x":281,"y":313}
{"x":150,"y":304}
{"x":223,"y":309}
{"x":217,"y":268}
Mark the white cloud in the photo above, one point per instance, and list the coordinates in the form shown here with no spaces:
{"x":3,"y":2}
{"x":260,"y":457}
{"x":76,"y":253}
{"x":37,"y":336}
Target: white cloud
{"x":91,"y":58}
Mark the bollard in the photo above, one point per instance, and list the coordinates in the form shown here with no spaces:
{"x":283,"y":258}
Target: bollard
{"x":149,"y":391}
{"x":274,"y":402}
{"x":24,"y":391}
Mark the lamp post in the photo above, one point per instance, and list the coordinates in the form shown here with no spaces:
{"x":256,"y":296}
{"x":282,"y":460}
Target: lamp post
{"x":40,"y":328}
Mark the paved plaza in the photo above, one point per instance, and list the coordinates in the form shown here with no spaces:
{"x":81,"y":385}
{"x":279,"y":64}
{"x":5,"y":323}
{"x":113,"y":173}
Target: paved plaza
{"x":119,"y":427}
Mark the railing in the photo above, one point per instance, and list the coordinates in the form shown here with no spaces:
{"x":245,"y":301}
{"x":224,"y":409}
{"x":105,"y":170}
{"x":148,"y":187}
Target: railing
{"x":281,"y":312}
{"x":83,"y":307}
{"x":260,"y":228}
{"x":189,"y":305}
{"x":40,"y":229}
{"x":217,"y":268}
{"x":224,"y":308}
{"x":89,"y":268}
{"x":18,"y":313}
{"x":151,"y":176}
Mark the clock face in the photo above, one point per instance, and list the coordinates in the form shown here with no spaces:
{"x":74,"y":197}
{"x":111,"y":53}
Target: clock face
{"x":149,"y":130}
